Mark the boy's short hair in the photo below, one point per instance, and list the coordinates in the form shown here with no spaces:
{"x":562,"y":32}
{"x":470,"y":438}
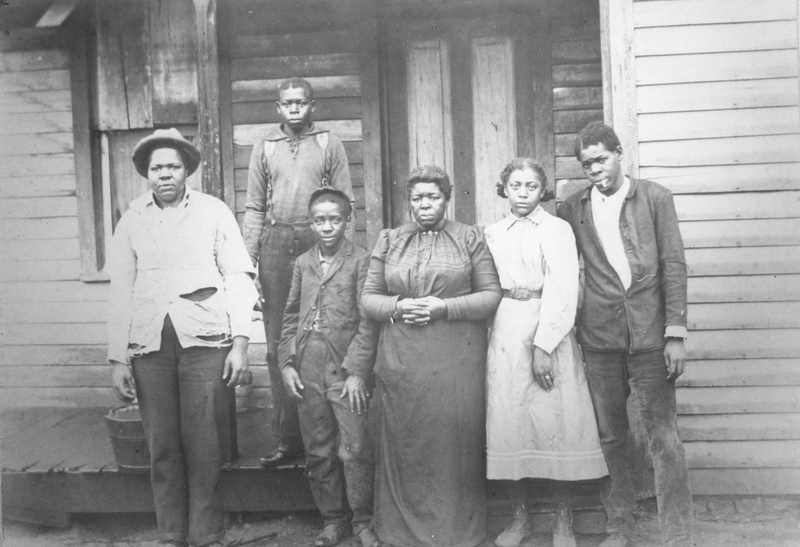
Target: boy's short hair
{"x":329,"y":194}
{"x":596,"y":133}
{"x":520,"y":164}
{"x":295,"y":83}
{"x":433,"y":174}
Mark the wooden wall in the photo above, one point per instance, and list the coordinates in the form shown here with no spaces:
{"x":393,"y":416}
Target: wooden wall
{"x":577,"y":87}
{"x":716,"y":92}
{"x":52,"y":325}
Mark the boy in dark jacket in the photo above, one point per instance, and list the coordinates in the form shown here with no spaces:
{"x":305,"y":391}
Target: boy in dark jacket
{"x":632,"y":328}
{"x":326,"y":354}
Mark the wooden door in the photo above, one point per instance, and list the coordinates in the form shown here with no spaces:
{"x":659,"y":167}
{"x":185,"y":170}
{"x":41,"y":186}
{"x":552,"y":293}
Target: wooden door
{"x":460,"y":94}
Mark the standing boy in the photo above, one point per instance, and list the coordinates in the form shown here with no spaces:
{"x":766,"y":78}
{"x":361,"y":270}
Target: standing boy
{"x":326,"y":354}
{"x":632,"y":328}
{"x":286,"y":166}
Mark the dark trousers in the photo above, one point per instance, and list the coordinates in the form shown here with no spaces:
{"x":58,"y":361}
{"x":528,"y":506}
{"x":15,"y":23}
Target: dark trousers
{"x":182,"y":400}
{"x":340,"y":459}
{"x":279,"y":248}
{"x":613,"y":377}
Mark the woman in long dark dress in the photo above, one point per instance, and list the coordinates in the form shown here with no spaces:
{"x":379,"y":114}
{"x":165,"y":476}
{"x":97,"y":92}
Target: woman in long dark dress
{"x":432,"y":283}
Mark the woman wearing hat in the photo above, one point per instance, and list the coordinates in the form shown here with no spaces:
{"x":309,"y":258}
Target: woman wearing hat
{"x":180,"y":307}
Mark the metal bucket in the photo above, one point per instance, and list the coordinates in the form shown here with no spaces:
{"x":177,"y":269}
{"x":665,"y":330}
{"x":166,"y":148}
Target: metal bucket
{"x":128,"y":440}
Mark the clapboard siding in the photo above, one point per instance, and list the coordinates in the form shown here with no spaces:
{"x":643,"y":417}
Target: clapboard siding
{"x":719,"y":124}
{"x":48,"y":318}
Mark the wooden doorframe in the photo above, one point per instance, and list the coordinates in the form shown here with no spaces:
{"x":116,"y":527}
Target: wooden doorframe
{"x":619,"y":78}
{"x":533,"y":94}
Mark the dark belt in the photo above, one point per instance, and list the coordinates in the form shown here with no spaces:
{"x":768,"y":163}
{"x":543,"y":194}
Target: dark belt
{"x":521,"y":293}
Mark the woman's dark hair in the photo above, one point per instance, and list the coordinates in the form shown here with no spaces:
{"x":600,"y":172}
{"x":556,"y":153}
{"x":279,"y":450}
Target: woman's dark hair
{"x":433,"y":174}
{"x":520,"y":164}
{"x":596,"y":133}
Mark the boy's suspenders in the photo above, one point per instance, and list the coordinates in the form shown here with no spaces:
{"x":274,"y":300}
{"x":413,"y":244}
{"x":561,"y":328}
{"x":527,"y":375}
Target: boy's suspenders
{"x":269,"y":149}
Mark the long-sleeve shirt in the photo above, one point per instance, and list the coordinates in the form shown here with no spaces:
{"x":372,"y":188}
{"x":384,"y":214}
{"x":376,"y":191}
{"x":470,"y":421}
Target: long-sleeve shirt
{"x":296,"y":166}
{"x":654,"y":307}
{"x":189,"y":262}
{"x":538,"y":252}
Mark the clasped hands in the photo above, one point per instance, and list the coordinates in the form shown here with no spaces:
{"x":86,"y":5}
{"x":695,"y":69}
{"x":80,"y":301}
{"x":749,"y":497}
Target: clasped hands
{"x":421,"y":311}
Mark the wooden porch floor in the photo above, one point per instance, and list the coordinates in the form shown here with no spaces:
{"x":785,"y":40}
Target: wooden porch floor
{"x":57,"y":461}
{"x":61,"y":460}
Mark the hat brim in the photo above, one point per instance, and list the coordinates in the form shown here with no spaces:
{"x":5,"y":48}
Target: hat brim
{"x":141,"y":154}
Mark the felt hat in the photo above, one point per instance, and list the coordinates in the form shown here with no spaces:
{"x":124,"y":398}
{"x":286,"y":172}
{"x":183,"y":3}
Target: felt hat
{"x":334,"y":192}
{"x":172,"y":138}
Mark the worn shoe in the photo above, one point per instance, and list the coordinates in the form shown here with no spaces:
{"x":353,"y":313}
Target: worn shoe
{"x":332,"y":534}
{"x":368,"y":538}
{"x":283,"y":453}
{"x":617,"y":539}
{"x":519,"y":528}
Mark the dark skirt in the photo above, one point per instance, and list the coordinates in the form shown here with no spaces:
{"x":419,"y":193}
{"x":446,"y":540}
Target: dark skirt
{"x":430,"y":476}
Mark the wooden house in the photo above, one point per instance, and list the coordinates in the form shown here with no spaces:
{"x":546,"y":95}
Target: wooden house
{"x":704,"y":94}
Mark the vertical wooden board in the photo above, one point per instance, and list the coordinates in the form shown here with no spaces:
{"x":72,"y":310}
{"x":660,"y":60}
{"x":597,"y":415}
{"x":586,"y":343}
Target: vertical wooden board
{"x":111,"y":108}
{"x":208,"y":98}
{"x":83,"y":154}
{"x":430,"y":131}
{"x":494,"y":118}
{"x":174,"y":61}
{"x":463,"y":128}
{"x":620,"y":74}
{"x":137,"y":64}
{"x":371,"y":132}
{"x":717,"y":95}
{"x":543,"y":95}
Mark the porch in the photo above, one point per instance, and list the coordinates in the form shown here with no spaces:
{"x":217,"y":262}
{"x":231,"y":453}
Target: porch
{"x":59,"y":461}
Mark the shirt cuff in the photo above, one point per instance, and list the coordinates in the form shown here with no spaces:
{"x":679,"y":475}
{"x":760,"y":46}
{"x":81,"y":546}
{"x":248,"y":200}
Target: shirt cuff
{"x":676,"y":331}
{"x":547,"y":340}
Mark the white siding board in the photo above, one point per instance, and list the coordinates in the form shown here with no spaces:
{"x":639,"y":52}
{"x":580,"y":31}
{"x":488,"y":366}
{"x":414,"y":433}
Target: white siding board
{"x":662,"y":13}
{"x":739,"y":400}
{"x":743,"y":261}
{"x":739,"y":427}
{"x":741,"y":373}
{"x":741,"y":233}
{"x":739,"y":205}
{"x":750,"y":315}
{"x":753,"y":288}
{"x":711,"y":67}
{"x":721,"y":151}
{"x":719,"y":123}
{"x":717,"y":95}
{"x":716,"y":38}
{"x":726,"y":178}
